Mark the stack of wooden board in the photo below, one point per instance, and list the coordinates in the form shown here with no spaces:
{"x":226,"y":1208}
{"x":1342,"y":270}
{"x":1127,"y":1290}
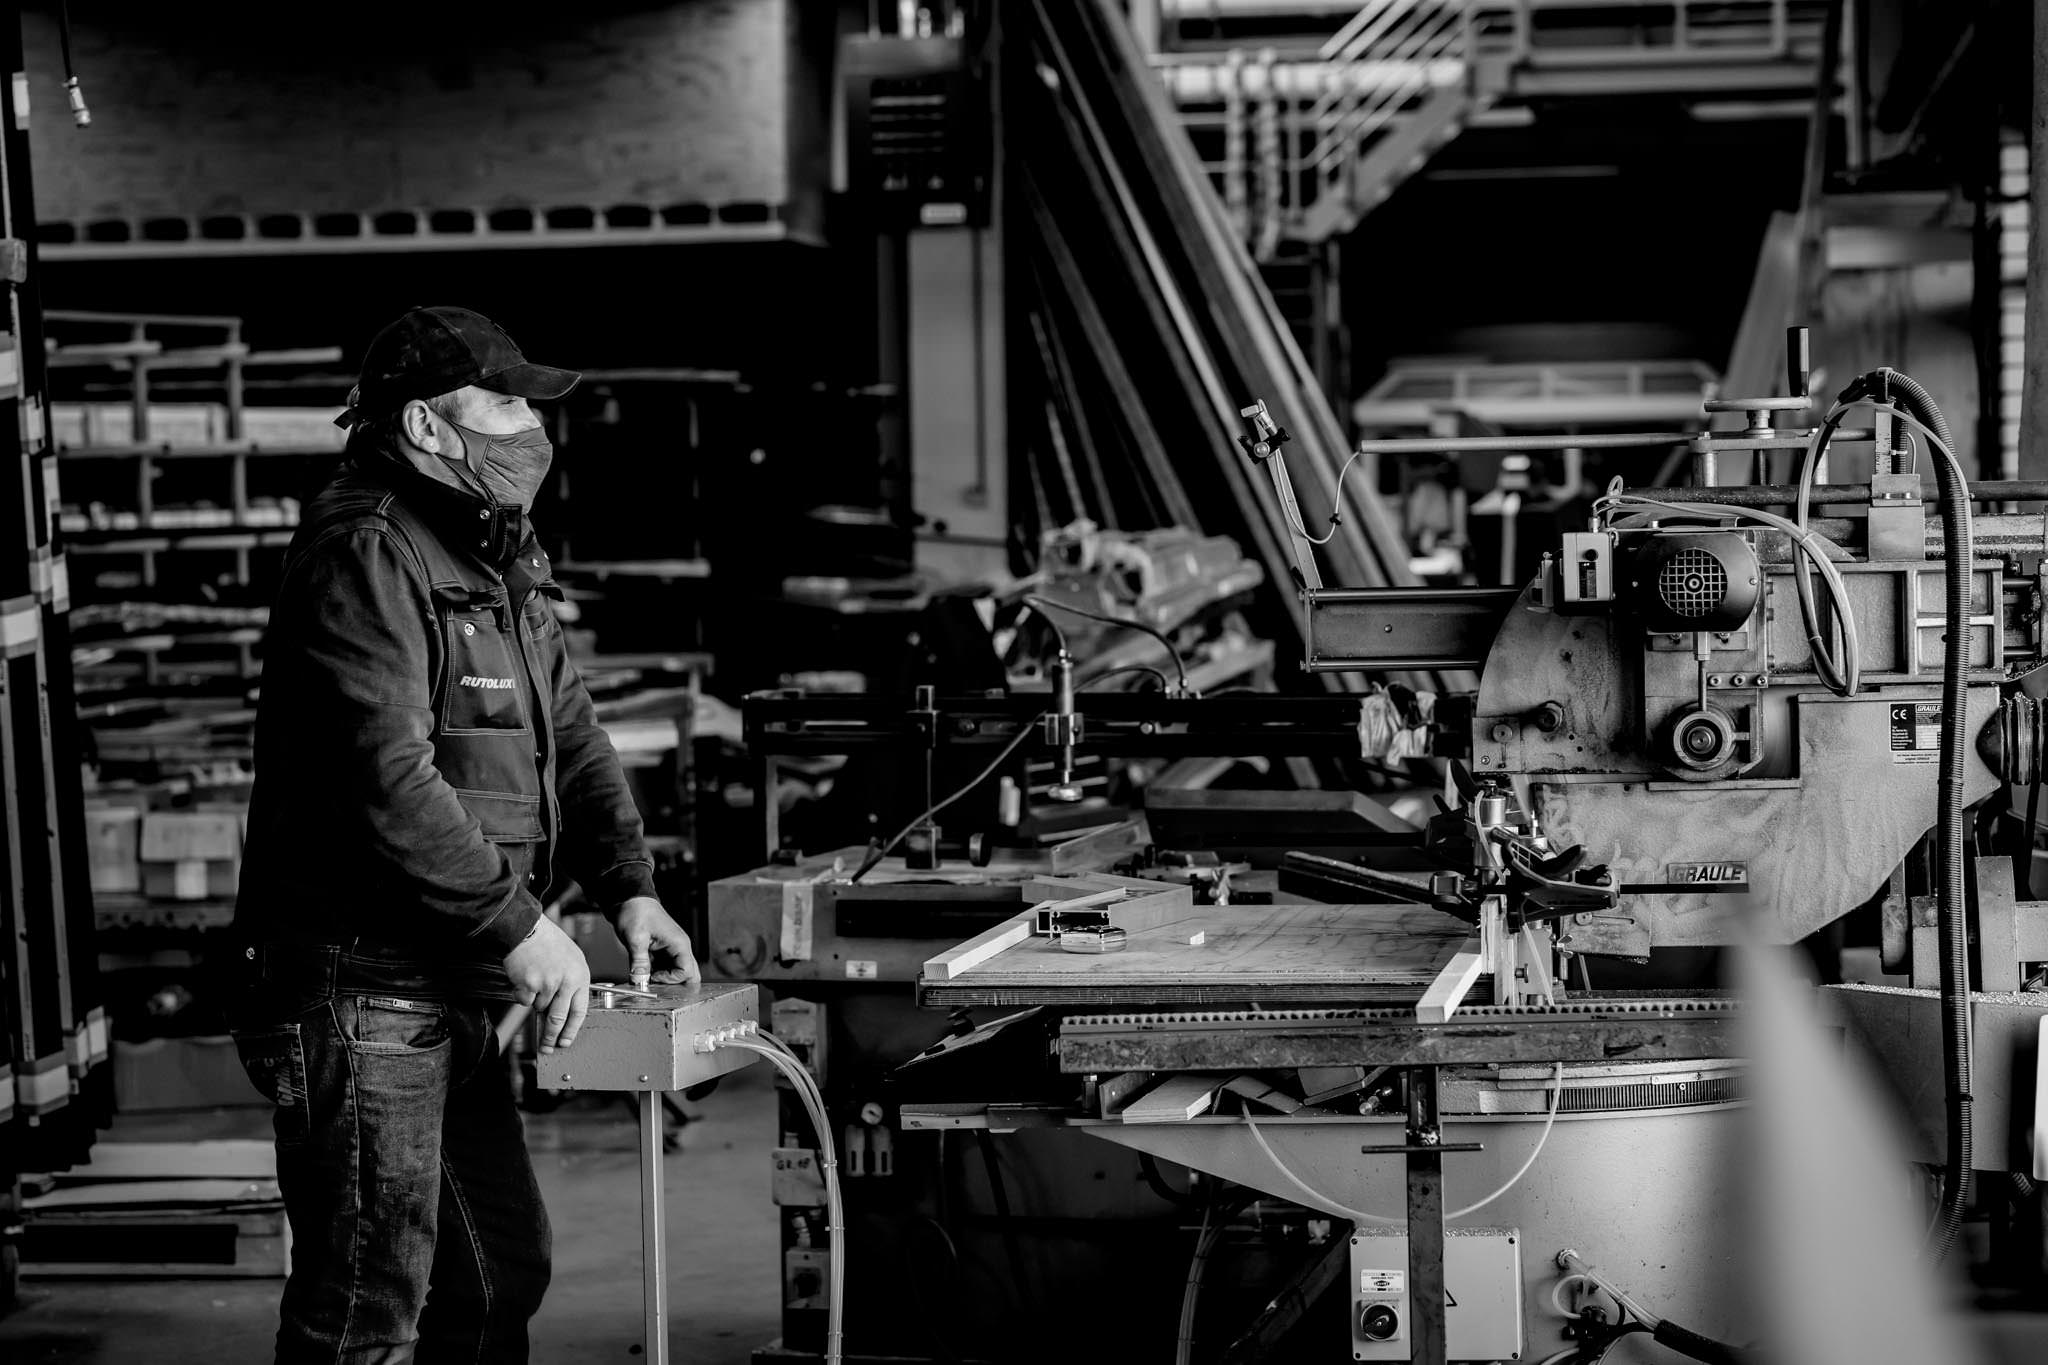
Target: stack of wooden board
{"x":173,"y":1209}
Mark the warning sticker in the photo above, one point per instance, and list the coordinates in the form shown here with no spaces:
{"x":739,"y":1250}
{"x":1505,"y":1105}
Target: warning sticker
{"x":1916,"y":732}
{"x":1380,"y":1281}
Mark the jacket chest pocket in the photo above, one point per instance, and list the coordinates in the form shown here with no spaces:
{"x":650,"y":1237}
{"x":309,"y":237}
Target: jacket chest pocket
{"x":483,"y":681}
{"x":540,"y":617}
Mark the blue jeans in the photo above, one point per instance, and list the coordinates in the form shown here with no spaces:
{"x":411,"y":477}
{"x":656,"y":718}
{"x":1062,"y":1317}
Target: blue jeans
{"x":418,"y":1232}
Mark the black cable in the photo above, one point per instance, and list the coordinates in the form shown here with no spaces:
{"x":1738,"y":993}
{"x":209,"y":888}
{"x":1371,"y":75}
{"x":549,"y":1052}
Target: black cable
{"x":1120,"y":672}
{"x":881,"y":851}
{"x":64,"y":37}
{"x":1042,"y":605}
{"x":1626,"y":1329}
{"x":1953,"y":492}
{"x":1706,"y":1349}
{"x":1059,"y":636}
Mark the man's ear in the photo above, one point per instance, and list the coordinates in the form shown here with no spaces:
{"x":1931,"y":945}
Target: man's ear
{"x":416,"y":420}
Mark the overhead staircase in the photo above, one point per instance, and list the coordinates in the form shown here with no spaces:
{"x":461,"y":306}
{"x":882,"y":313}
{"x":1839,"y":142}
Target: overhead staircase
{"x":1304,"y":128}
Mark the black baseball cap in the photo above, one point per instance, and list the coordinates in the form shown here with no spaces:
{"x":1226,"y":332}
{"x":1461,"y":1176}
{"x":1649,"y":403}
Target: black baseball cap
{"x":432,"y":351}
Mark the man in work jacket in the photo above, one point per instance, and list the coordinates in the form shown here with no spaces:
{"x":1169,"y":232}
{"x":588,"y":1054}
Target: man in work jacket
{"x":428,"y":767}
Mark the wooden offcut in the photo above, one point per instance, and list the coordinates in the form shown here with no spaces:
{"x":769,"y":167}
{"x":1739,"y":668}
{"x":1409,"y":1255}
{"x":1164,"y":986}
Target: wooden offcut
{"x":979,"y":949}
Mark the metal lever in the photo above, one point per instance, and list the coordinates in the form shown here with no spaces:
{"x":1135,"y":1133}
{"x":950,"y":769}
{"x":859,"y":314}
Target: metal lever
{"x":1063,"y":727}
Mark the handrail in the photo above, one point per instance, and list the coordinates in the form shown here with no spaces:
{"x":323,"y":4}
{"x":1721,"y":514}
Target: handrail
{"x":1371,"y":39}
{"x":1368,"y":112}
{"x":1351,"y":108}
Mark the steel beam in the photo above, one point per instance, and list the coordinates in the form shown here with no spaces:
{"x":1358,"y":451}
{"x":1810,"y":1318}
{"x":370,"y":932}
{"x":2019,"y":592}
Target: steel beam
{"x":1398,"y":628}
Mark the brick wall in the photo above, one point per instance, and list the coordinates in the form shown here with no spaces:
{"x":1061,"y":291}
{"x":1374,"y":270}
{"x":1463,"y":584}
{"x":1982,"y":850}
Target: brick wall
{"x":256,"y":109}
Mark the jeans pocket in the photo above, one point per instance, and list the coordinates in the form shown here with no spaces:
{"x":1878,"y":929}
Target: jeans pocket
{"x":393,"y":1025}
{"x":275,"y":1059}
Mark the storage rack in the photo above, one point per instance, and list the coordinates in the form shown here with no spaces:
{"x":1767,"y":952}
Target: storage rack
{"x":199,"y":634}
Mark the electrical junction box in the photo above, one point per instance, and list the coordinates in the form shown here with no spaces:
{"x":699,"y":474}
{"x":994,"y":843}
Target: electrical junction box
{"x":1585,"y":571}
{"x":1482,"y":1293}
{"x":631,"y":1042}
{"x":918,"y":146}
{"x":798,"y":1180}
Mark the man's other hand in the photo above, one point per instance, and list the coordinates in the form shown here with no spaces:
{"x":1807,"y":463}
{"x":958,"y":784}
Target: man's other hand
{"x":551,"y":974}
{"x":646,"y":929}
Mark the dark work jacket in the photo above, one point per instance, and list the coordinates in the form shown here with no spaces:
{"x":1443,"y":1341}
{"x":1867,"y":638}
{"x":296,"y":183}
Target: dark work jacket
{"x":428,"y":762}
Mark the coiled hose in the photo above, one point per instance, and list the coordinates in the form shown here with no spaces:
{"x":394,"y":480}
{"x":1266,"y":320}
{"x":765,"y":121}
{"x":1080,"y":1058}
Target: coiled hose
{"x":1880,"y":386}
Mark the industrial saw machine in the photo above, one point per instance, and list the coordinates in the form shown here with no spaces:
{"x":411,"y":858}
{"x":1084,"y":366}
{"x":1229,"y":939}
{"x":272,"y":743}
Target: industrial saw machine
{"x":1720,"y":714}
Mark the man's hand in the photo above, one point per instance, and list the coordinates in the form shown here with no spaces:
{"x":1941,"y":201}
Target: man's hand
{"x":645,"y":928}
{"x":551,"y":974}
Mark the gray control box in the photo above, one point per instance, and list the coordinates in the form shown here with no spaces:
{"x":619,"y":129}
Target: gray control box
{"x":1482,"y":1291}
{"x":632,"y":1043}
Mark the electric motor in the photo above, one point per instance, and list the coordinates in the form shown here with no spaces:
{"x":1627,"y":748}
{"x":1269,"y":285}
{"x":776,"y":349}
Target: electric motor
{"x":1694,"y":581}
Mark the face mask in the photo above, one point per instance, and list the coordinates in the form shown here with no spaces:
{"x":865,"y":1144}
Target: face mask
{"x":511,"y":466}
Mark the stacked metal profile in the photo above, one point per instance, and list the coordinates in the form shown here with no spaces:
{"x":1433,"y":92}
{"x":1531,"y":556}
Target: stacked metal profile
{"x":55,"y":1090}
{"x":1149,"y":324}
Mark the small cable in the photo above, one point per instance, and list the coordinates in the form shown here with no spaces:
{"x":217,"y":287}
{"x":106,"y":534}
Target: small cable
{"x":1359,"y":1215}
{"x":1557,"y":1293}
{"x":1059,"y":636}
{"x":882,"y":851}
{"x":1315,"y":1200}
{"x":813,"y":1100}
{"x":1042,"y":605}
{"x":1336,"y":507}
{"x":1556,"y":1095}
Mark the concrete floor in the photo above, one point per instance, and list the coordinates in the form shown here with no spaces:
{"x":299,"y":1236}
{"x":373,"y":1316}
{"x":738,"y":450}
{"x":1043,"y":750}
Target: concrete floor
{"x":724,"y":1285}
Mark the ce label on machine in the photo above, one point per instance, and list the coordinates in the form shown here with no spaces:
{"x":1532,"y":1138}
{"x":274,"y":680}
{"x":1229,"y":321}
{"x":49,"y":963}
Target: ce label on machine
{"x":1916,"y":732}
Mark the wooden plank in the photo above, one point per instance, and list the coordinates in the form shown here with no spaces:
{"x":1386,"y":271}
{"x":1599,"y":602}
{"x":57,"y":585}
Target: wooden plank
{"x":222,"y":1159}
{"x":979,"y":949}
{"x":1448,"y":991}
{"x":1168,"y":905}
{"x":1250,"y":951}
{"x":134,"y":1195}
{"x":1174,"y":1100}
